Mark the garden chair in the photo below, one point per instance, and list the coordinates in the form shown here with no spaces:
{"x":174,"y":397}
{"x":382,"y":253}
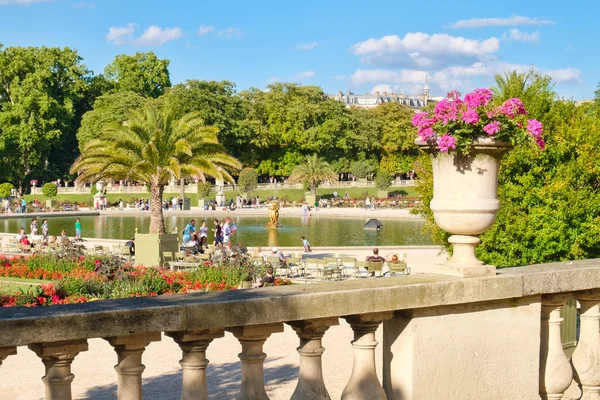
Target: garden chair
{"x":180,"y":255}
{"x":98,"y":249}
{"x":348,"y":266}
{"x":278,"y":266}
{"x":375,"y":267}
{"x":296,"y":265}
{"x":331,"y":269}
{"x":314,"y":268}
{"x":399,"y":268}
{"x":364,"y":272}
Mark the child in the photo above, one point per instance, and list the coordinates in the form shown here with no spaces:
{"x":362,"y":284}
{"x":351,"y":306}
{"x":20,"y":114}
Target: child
{"x":305,"y":244}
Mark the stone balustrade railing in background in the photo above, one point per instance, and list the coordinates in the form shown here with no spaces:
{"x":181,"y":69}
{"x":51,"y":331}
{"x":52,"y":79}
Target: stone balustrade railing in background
{"x":192,"y":187}
{"x":443,"y":337}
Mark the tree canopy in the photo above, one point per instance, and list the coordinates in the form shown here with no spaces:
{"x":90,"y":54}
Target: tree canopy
{"x":141,"y":73}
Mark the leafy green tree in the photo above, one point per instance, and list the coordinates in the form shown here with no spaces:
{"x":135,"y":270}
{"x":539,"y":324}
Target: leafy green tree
{"x":141,"y":73}
{"x":5,"y":189}
{"x":314,"y":170}
{"x":398,"y":150}
{"x":597,"y":95}
{"x":43,"y":94}
{"x":248,"y":180}
{"x":50,"y":190}
{"x":151,"y":147}
{"x":218,"y":104}
{"x":363,"y":168}
{"x":108,"y":109}
{"x":383,"y":179}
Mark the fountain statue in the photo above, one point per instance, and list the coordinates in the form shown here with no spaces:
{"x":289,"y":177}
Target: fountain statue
{"x":273,"y":215}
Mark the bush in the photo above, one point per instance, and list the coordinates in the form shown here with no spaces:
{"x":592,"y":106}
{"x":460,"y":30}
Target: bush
{"x":204,"y":189}
{"x":248,"y":180}
{"x":361,"y":169}
{"x":93,"y":190}
{"x":383,"y":180}
{"x":50,"y":190}
{"x":5,"y":189}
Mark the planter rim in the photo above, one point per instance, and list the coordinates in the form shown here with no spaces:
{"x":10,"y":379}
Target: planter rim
{"x":480,"y":142}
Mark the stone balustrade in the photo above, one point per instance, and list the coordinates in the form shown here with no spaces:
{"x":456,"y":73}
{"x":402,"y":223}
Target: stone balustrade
{"x":443,"y":337}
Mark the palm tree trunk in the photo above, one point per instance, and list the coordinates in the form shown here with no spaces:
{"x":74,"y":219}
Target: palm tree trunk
{"x":182,"y":189}
{"x":157,"y":222}
{"x":313,"y":188}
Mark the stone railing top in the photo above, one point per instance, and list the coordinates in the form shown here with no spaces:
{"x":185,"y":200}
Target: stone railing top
{"x":197,"y":311}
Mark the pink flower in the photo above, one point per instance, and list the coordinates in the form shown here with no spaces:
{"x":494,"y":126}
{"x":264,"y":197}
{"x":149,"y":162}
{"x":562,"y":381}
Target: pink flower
{"x":421,"y":120}
{"x":446,"y":142}
{"x":540,"y":142}
{"x":535,"y":128}
{"x":453,"y":95}
{"x":447,"y":110}
{"x":470,"y":116}
{"x":492,"y":128}
{"x":426,"y":133}
{"x":512,"y":107}
{"x":478,"y":97}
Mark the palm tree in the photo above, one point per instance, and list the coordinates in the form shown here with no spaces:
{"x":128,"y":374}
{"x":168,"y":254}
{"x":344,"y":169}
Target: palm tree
{"x":151,"y":147}
{"x":314,"y":171}
{"x":512,"y":84}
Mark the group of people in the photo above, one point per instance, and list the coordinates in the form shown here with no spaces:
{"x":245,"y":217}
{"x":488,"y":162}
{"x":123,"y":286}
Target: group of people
{"x":42,"y":233}
{"x":176,"y":203}
{"x":20,"y":206}
{"x":196,"y":238}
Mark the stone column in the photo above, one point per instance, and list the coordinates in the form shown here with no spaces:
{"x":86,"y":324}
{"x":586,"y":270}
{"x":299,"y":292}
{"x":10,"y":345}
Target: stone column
{"x":252,"y":339}
{"x":310,"y":381}
{"x":57,"y":358}
{"x":7,"y":351}
{"x":556,"y":373}
{"x":193,"y":346}
{"x":586,"y":358}
{"x":363,"y":383}
{"x":129,"y":368}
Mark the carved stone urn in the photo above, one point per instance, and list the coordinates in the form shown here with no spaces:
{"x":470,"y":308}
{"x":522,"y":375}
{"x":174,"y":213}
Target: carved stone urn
{"x":465,"y":200}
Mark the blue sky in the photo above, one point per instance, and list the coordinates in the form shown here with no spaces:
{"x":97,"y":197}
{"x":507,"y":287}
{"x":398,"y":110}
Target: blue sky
{"x":359,"y":45}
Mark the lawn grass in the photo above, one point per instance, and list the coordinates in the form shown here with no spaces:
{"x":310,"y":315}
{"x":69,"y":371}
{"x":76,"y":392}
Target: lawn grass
{"x":291,"y":194}
{"x":11,"y":285}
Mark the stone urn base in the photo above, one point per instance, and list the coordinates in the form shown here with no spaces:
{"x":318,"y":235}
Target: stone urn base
{"x":463,"y":262}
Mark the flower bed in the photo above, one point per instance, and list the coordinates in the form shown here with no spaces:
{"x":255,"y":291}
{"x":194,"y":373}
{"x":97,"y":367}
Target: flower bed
{"x":81,"y":279}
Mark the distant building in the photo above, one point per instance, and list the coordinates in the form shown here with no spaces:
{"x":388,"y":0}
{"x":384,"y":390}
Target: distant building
{"x":370,"y":100}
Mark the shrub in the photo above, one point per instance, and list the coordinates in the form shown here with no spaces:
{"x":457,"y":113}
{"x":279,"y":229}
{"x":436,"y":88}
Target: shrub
{"x":50,"y":190}
{"x":383,"y":180}
{"x":248,"y":180}
{"x":204,"y":189}
{"x":5,"y":189}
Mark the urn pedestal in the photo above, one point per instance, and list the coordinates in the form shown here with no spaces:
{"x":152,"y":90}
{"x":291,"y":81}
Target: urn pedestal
{"x":465,"y":200}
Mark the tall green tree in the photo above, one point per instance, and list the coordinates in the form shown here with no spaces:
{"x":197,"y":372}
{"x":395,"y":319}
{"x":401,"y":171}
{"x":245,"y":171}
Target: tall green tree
{"x":151,"y":147}
{"x":43,"y":94}
{"x":398,"y":150}
{"x":141,"y":73}
{"x":108,"y":109}
{"x":313,"y":171}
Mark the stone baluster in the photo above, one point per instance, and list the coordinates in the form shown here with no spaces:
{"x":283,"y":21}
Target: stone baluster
{"x":363,"y":383}
{"x":193,"y":345}
{"x":586,"y":358}
{"x":252,"y":339}
{"x":57,"y":358}
{"x":310,"y":381}
{"x":129,"y":367}
{"x":556,"y":373}
{"x":6,"y":351}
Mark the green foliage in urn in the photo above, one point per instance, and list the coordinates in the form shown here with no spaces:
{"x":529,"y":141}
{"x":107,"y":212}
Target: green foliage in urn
{"x":5,"y":189}
{"x":248,"y":180}
{"x":383,"y":180}
{"x":50,"y":190}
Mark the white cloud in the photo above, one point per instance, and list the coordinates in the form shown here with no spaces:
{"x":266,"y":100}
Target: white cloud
{"x":205,"y":30}
{"x":23,"y":2}
{"x":152,"y":36}
{"x":307,"y":74}
{"x":454,"y":77}
{"x":421,"y":50}
{"x":230,"y":33}
{"x":156,"y":36}
{"x":515,"y":20}
{"x":383,"y":88}
{"x":306,"y":46}
{"x":516,"y":35}
{"x":120,"y":35}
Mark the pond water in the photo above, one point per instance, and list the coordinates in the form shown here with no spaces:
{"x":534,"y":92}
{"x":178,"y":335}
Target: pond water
{"x":319,"y":230}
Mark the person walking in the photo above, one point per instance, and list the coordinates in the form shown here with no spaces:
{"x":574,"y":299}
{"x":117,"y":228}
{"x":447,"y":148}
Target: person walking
{"x":77,"y":229}
{"x":305,"y":244}
{"x":45,"y":231}
{"x":33,"y":227}
{"x":217,"y":231}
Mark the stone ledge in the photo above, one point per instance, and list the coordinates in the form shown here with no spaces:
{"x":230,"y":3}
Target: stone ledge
{"x":21,"y":326}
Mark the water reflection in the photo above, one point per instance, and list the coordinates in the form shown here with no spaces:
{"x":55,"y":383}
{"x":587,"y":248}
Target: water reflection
{"x":319,"y":230}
